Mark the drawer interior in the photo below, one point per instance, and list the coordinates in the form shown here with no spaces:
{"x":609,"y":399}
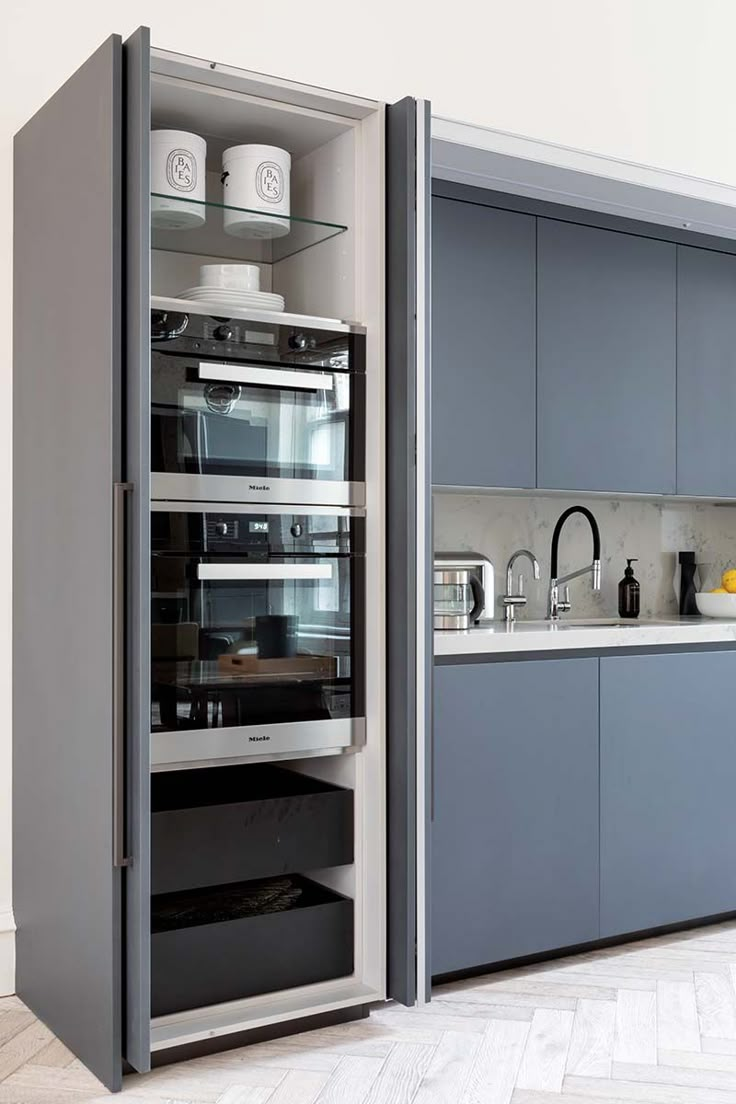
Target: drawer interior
{"x":236,"y":901}
{"x":195,"y":789}
{"x":233,"y":941}
{"x":233,"y":914}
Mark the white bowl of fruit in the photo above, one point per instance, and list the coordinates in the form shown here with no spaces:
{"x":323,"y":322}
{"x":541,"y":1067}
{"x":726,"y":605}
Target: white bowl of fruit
{"x":720,"y":602}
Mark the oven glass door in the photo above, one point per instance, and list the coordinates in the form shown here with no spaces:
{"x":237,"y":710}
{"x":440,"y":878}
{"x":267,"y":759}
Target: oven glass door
{"x":258,"y":410}
{"x":257,"y":633}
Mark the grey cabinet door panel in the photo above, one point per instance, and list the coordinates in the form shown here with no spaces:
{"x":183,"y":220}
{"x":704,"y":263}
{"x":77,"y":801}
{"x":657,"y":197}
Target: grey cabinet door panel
{"x":483,"y":346}
{"x":408,"y":682}
{"x":515,"y":830}
{"x":67,"y":455}
{"x":706,"y":372}
{"x":606,"y":360}
{"x":137,"y":1038}
{"x":668,"y":778}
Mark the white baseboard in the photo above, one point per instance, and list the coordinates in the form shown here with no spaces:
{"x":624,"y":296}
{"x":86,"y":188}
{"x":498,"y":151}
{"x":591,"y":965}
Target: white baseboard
{"x":7,"y":954}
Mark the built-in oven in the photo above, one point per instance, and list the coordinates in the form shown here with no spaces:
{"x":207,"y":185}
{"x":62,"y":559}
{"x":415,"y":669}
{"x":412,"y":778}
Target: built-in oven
{"x":249,"y":411}
{"x":257,"y":636}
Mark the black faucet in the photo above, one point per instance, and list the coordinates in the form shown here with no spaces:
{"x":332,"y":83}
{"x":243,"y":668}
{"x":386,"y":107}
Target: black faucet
{"x":555,"y":607}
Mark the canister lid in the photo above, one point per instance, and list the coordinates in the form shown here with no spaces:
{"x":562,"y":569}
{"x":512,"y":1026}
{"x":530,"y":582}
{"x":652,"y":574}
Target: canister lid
{"x":272,"y":153}
{"x":178,"y":137}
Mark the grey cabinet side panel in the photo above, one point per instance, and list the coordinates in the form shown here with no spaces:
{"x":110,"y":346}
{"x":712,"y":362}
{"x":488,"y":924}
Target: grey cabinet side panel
{"x":515,"y":832}
{"x":606,"y":360}
{"x":483,"y":346}
{"x":668,"y":764}
{"x":66,"y":440}
{"x":136,"y":57}
{"x":425,"y":568}
{"x":408,"y":530}
{"x":706,"y":372}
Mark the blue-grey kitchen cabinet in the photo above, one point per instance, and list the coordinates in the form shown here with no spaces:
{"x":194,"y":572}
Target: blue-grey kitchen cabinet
{"x":515,"y":824}
{"x":668,"y":779}
{"x":606,"y":360}
{"x":706,"y":372}
{"x":483,"y":346}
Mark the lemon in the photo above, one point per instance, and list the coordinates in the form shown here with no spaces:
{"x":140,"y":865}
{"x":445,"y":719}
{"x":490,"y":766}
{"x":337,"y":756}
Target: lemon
{"x":719,"y":590}
{"x":728,"y":581}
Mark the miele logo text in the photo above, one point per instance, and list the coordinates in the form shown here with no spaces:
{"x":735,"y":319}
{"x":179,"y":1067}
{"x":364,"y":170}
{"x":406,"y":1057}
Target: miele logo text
{"x":258,"y":739}
{"x":259,"y":487}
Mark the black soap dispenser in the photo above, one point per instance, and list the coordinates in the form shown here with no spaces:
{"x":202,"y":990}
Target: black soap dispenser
{"x":629,"y":593}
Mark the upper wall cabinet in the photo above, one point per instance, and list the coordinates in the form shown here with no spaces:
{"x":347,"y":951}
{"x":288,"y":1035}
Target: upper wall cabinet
{"x":606,"y":360}
{"x":706,"y":372}
{"x":483,"y":346}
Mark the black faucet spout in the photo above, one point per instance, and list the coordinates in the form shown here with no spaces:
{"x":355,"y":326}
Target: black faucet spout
{"x":558,"y":529}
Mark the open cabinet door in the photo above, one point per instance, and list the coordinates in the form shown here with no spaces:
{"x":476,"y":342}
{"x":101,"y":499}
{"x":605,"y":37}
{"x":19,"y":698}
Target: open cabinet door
{"x":137,"y":468}
{"x":67,"y":460}
{"x":409,"y":547}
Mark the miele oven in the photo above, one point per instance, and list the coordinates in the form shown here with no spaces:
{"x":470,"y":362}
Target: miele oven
{"x":257,"y":646}
{"x":251,"y":411}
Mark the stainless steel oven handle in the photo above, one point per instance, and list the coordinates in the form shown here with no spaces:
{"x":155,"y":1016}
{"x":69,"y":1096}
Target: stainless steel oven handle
{"x":266,"y":377}
{"x":262,"y":571}
{"x":119,"y":857}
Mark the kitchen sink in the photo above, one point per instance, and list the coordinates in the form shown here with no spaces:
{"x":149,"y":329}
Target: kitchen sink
{"x":604,"y":623}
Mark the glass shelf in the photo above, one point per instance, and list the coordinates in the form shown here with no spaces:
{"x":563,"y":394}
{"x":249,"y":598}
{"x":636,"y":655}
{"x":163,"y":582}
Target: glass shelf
{"x":274,"y":237}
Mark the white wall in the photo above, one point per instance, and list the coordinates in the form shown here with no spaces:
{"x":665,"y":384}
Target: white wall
{"x":647,"y":80}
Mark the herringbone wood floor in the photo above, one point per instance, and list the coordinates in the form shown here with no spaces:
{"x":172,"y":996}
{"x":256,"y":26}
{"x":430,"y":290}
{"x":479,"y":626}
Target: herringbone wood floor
{"x":652,"y":1022}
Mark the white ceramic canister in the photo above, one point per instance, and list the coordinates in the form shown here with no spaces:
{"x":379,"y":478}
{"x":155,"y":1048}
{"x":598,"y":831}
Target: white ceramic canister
{"x":256,"y":178}
{"x":178,"y":170}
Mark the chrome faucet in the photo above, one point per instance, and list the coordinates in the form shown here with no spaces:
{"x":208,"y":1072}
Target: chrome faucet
{"x":510,"y":599}
{"x":556,"y":606}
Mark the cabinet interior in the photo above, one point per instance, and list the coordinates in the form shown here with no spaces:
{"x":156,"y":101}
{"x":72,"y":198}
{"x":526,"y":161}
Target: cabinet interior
{"x":315,"y":266}
{"x":337,"y":272}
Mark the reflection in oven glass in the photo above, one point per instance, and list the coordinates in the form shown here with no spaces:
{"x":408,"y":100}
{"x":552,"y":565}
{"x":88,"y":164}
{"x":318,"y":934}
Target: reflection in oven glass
{"x":253,"y":625}
{"x":304,"y":431}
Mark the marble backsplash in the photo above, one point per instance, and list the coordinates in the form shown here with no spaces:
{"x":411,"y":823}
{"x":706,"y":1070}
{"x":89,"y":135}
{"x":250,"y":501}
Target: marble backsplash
{"x":653,"y":530}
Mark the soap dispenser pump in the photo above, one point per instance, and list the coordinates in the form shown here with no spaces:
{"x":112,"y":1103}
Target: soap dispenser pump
{"x":629,"y":593}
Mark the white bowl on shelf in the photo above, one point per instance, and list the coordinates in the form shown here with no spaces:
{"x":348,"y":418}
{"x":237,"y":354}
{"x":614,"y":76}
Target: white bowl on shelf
{"x":232,"y":277}
{"x":717,"y":605}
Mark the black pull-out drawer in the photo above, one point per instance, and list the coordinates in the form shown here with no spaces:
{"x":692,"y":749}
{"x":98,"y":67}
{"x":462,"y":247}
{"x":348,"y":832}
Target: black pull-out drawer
{"x":233,"y":824}
{"x":224,"y":943}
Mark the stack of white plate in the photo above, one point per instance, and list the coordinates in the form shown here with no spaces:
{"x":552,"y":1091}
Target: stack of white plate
{"x":259,"y":300}
{"x":233,"y":285}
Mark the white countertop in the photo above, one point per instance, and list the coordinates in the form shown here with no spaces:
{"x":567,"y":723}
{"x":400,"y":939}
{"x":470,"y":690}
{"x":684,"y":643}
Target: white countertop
{"x":542,"y":636}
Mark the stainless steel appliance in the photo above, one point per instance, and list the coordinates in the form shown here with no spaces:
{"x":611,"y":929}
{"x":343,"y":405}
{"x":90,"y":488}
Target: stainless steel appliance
{"x":257,"y":635}
{"x":463,"y":589}
{"x":254,"y":411}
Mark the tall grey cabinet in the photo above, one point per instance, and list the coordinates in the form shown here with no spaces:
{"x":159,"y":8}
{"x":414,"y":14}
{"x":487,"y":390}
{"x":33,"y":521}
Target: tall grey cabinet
{"x":86,"y":270}
{"x":68,"y":459}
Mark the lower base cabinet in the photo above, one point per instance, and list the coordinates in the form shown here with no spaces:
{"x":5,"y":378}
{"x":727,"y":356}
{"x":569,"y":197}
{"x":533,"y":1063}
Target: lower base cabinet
{"x":668,"y":789}
{"x":515,"y":827}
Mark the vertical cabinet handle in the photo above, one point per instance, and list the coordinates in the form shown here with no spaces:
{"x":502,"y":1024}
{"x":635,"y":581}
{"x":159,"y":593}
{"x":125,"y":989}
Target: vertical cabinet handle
{"x":120,"y":491}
